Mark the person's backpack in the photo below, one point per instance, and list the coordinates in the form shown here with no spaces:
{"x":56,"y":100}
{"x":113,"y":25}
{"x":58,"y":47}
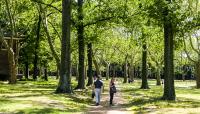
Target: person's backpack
{"x":113,"y":89}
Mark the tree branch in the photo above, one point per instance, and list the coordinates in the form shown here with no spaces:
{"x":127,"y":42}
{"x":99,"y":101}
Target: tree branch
{"x":96,"y":21}
{"x":192,"y":44}
{"x":185,"y":49}
{"x":49,"y":5}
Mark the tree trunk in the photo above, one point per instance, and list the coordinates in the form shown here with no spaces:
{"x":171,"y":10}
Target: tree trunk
{"x":45,"y":74}
{"x":90,"y":79}
{"x":77,"y":72}
{"x":169,"y":91}
{"x":26,"y":70}
{"x":11,"y":54}
{"x":81,"y":45}
{"x":51,"y":44}
{"x":144,"y":68}
{"x":37,"y":44}
{"x":197,"y":71}
{"x":64,"y":85}
{"x":12,"y":67}
{"x":107,"y":70}
{"x":131,"y":72}
{"x":158,"y":78}
{"x":57,"y":71}
{"x":85,"y":71}
{"x":125,"y":71}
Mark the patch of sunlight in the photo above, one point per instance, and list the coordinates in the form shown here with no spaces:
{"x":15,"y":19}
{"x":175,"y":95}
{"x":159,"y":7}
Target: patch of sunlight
{"x":10,"y":107}
{"x":18,"y":94}
{"x":189,"y":96}
{"x":176,"y":111}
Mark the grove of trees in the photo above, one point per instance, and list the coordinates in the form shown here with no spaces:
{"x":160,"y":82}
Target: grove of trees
{"x":84,"y":38}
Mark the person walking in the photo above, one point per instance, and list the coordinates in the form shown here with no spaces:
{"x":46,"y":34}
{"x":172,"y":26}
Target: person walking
{"x":112,"y":90}
{"x":98,"y":86}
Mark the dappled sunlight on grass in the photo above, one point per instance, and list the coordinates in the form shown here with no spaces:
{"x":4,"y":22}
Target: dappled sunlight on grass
{"x":148,"y":100}
{"x":38,"y":97}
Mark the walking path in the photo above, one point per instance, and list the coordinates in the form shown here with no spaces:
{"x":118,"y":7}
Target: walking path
{"x":105,"y":108}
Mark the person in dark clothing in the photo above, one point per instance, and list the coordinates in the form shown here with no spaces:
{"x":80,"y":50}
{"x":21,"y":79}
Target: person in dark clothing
{"x":97,"y":88}
{"x":112,"y":90}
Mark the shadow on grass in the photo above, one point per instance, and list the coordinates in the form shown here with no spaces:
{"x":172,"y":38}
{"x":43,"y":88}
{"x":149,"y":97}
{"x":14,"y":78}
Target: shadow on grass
{"x":145,"y":103}
{"x":45,"y":111}
{"x":80,"y":100}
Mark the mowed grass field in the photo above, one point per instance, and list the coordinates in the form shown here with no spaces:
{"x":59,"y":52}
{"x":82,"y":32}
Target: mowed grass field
{"x":29,"y":97}
{"x":148,"y":101}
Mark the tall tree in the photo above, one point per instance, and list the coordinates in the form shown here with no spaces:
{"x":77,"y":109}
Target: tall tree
{"x":90,"y":80}
{"x":36,"y":50}
{"x":64,"y":85}
{"x":81,"y":48}
{"x":169,"y":90}
{"x":144,"y":65}
{"x":11,"y":54}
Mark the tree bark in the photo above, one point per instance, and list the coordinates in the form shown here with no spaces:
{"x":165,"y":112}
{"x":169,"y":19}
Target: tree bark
{"x":64,"y":85}
{"x":11,"y":54}
{"x":77,"y":75}
{"x":90,"y":79}
{"x":197,"y":71}
{"x":131,"y":72}
{"x":144,"y":68}
{"x":125,"y":70}
{"x":169,"y":91}
{"x":45,"y":74}
{"x":26,"y":70}
{"x":51,"y":45}
{"x":81,"y":45}
{"x":107,"y":70}
{"x":37,"y":43}
{"x":158,"y":78}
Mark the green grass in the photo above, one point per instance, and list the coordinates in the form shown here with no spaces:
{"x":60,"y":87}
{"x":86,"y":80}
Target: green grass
{"x":29,"y":97}
{"x":146,"y":101}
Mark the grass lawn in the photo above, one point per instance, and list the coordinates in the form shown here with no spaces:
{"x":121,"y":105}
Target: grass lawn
{"x":28,"y":97}
{"x":148,"y":101}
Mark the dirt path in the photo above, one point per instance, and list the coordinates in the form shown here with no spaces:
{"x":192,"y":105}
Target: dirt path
{"x":105,"y":108}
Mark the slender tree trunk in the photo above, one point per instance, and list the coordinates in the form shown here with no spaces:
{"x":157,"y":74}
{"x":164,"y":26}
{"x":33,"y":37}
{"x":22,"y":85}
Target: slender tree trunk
{"x":197,"y":71}
{"x":158,"y":78}
{"x":37,"y":43}
{"x":45,"y":74}
{"x":51,"y":44}
{"x":107,"y":70}
{"x":64,"y":85}
{"x":90,"y":79}
{"x":125,"y":70}
{"x":169,"y":90}
{"x":57,"y":71}
{"x":26,"y":70}
{"x":131,"y":72}
{"x":77,"y":75}
{"x":144,"y":68}
{"x":81,"y":45}
{"x":85,"y":71}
